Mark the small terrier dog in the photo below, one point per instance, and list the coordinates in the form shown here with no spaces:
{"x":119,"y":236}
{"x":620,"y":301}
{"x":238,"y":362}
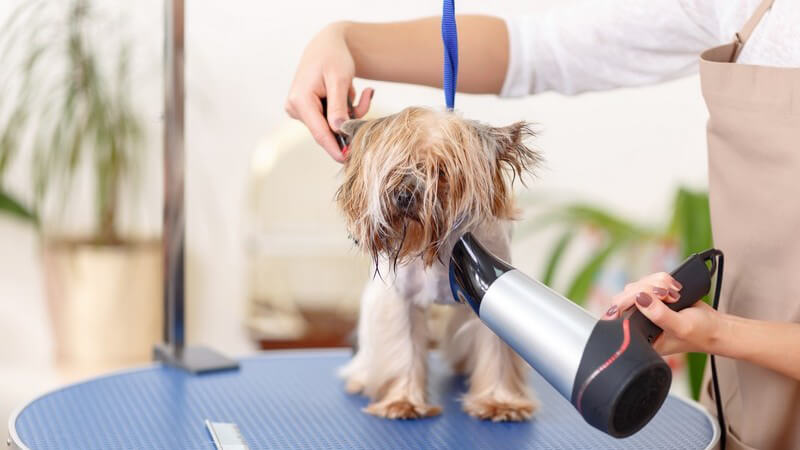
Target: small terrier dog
{"x":414,"y":182}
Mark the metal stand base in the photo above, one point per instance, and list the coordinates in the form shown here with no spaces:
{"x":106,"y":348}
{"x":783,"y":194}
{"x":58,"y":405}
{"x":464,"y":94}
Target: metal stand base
{"x":193,"y":359}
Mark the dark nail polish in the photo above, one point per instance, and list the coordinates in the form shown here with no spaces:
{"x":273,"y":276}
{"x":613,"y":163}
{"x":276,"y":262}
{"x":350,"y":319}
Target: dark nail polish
{"x":660,"y":292}
{"x":644,"y":300}
{"x":611,"y":311}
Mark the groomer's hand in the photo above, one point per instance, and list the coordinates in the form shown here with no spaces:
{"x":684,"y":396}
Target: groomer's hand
{"x":694,"y":329}
{"x":326,"y":69}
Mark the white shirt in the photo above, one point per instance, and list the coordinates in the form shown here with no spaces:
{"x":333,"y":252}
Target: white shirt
{"x":593,"y":45}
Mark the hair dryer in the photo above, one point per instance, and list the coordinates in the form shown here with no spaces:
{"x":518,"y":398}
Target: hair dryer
{"x":607,"y":369}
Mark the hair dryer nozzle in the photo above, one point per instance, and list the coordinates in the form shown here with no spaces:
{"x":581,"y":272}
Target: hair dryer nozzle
{"x":472,"y":271}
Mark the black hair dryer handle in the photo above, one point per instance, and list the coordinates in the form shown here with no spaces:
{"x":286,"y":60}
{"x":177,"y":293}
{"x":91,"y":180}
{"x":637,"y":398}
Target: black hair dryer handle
{"x":695,"y":278}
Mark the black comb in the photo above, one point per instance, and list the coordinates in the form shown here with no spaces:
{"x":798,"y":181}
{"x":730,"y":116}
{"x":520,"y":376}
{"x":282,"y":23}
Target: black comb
{"x":340,"y":138}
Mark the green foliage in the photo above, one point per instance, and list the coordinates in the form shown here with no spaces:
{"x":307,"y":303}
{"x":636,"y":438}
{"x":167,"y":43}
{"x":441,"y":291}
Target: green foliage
{"x":618,"y":234}
{"x":12,"y":206}
{"x":689,"y":228}
{"x":581,"y":284}
{"x":71,"y":107}
{"x":555,"y":256}
{"x":691,"y":223}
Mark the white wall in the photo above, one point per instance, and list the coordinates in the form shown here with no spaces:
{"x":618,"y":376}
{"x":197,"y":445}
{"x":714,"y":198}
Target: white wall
{"x":627,"y":148}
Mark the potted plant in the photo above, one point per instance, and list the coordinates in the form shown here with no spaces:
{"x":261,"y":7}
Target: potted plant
{"x":66,"y":111}
{"x":636,"y":248}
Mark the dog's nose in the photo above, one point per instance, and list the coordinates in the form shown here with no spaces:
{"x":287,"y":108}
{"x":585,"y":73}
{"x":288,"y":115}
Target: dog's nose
{"x":403,"y":199}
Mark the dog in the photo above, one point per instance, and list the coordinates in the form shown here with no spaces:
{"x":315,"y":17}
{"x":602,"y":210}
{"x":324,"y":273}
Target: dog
{"x":413,"y":183}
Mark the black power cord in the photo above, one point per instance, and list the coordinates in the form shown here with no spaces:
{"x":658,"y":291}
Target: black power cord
{"x":720,"y":261}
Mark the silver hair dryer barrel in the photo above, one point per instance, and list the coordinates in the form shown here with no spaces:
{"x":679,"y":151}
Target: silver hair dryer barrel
{"x":607,"y":369}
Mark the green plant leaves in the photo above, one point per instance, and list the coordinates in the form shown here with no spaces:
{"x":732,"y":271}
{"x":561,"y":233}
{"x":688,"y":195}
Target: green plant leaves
{"x":72,"y":97}
{"x":691,"y":221}
{"x":696,"y":366}
{"x":10,"y":205}
{"x":555,"y":256}
{"x":617,"y":231}
{"x":691,"y":225}
{"x":579,"y":288}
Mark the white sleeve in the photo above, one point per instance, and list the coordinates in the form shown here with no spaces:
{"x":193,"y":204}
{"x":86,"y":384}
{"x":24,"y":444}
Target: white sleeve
{"x":603,"y":44}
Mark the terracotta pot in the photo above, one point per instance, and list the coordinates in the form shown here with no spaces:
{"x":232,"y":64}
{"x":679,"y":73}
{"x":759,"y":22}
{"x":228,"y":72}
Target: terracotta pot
{"x":104,"y":300}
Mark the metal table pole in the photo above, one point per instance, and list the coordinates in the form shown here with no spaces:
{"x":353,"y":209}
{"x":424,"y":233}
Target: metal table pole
{"x":173,"y":351}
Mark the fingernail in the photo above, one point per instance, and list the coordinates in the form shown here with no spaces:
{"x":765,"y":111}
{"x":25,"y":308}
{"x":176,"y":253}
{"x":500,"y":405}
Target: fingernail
{"x":660,"y":292}
{"x":338,"y":123}
{"x":644,"y":300}
{"x":677,"y":285}
{"x":674,"y":294}
{"x":611,"y":311}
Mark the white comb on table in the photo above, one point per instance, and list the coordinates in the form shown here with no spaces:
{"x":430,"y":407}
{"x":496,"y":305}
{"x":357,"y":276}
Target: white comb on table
{"x":226,"y":436}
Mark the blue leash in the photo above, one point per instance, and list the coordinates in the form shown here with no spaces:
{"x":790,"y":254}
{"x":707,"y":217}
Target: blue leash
{"x":450,"y":41}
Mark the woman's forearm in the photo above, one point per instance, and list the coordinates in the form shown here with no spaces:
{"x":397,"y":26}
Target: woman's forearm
{"x":406,"y":52}
{"x":774,"y":345}
{"x":412,"y":52}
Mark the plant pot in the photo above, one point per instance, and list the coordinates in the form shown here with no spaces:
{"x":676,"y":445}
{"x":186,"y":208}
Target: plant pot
{"x":105,"y":301}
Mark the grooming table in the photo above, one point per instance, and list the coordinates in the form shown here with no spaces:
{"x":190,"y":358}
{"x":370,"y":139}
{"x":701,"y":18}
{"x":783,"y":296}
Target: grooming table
{"x":294,"y":400}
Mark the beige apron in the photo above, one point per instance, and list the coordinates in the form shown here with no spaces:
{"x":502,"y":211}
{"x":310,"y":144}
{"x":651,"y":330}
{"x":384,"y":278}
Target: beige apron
{"x":754,"y":186}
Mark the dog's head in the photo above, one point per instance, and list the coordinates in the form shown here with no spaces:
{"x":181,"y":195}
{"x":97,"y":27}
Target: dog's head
{"x":415,"y":180}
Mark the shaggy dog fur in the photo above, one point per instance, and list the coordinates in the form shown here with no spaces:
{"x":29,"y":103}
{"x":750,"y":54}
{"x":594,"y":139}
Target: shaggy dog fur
{"x":413,"y":183}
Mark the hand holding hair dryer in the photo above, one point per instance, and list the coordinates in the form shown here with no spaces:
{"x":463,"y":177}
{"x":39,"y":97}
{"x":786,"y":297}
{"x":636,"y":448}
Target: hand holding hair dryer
{"x":607,"y":369}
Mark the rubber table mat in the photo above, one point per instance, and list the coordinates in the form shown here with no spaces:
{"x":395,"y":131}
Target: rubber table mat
{"x":294,"y":400}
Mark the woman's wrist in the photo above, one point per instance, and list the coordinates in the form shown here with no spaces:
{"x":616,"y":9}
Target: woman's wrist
{"x":352,"y":35}
{"x":719,"y":341}
{"x":739,"y":338}
{"x":340,"y":30}
{"x":337,"y":31}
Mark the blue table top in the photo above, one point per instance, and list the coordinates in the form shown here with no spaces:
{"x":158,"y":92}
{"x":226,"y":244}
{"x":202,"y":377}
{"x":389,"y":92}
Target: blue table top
{"x":294,"y":400}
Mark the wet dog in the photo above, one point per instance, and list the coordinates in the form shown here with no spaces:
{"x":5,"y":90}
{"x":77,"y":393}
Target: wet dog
{"x":413,"y":183}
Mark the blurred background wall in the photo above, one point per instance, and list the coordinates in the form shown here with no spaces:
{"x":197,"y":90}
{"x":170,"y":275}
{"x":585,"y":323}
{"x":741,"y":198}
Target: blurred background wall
{"x":626,"y":150}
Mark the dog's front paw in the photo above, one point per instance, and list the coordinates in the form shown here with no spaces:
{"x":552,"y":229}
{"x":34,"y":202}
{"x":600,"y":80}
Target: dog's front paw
{"x":354,"y":385}
{"x":488,"y":408}
{"x":355,"y":377}
{"x":402,"y":409}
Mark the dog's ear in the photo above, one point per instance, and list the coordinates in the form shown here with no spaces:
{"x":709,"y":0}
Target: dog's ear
{"x":349,"y":129}
{"x":512,"y":151}
{"x":512,"y":156}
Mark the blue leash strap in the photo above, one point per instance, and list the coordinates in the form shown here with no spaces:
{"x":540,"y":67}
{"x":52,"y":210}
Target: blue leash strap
{"x":450,"y":41}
